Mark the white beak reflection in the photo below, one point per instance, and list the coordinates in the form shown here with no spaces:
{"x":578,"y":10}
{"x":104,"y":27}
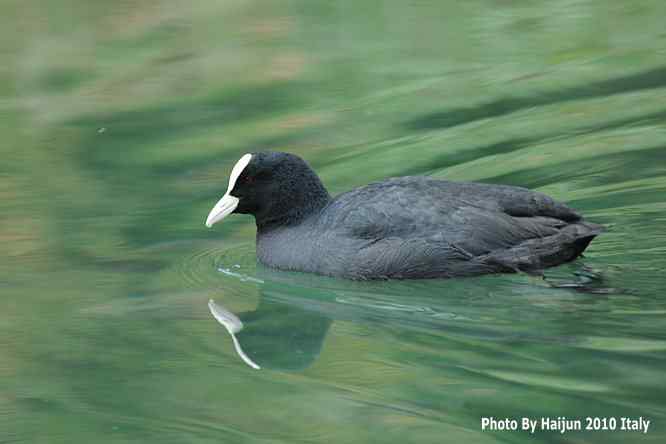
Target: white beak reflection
{"x":233,"y":325}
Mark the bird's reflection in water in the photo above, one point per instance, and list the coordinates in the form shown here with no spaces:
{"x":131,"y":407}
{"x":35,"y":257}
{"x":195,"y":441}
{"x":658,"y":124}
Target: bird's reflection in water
{"x":275,"y":335}
{"x":288,"y":328}
{"x":295,"y":312}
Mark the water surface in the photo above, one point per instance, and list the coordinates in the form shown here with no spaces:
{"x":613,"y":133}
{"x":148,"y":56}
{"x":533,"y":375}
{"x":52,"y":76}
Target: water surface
{"x":120,"y":122}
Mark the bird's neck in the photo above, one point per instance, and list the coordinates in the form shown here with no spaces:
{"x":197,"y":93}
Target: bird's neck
{"x":295,"y":206}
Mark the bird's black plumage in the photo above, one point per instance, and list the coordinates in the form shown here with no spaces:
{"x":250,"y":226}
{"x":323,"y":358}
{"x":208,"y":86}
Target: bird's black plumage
{"x":403,"y":228}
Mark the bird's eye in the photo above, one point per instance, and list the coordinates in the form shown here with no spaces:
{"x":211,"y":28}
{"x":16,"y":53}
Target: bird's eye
{"x":262,"y":175}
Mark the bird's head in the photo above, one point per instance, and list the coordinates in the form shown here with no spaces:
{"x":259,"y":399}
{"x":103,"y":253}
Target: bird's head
{"x":276,"y":188}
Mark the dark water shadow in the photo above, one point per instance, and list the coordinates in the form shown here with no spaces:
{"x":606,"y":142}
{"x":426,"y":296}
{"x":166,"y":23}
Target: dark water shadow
{"x":651,"y":79}
{"x":449,"y":159}
{"x":518,"y":143}
{"x":617,"y":167}
{"x":111,"y":135}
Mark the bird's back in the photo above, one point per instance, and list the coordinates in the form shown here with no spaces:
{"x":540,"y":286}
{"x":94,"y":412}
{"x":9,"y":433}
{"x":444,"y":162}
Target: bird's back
{"x":424,"y":227}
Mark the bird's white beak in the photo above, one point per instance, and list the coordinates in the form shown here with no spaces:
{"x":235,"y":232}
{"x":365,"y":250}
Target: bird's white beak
{"x":228,"y":203}
{"x":222,"y":209}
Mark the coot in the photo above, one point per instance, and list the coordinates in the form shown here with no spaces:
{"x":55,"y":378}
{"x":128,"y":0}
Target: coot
{"x":399,"y":228}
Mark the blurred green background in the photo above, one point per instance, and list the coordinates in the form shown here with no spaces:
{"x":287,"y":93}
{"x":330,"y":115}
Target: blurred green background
{"x":119,"y":122}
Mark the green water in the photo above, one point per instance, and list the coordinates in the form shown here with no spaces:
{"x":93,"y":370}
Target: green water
{"x":120,"y":121}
